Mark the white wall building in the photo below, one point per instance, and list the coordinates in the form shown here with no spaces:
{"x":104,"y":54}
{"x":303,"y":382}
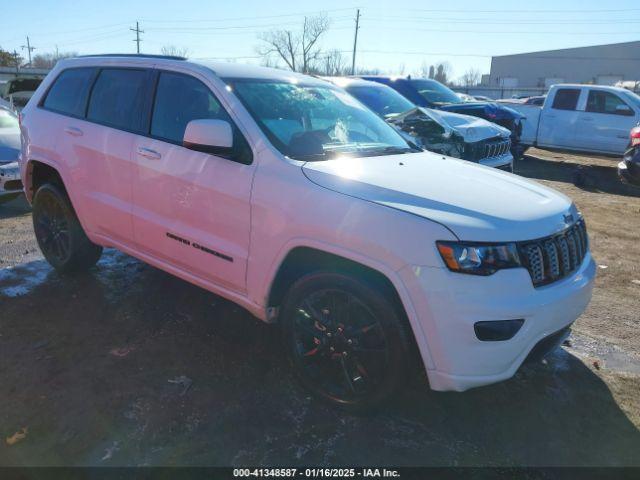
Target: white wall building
{"x":602,"y":64}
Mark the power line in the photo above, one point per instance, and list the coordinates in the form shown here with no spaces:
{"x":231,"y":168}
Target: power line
{"x":137,"y":40}
{"x":504,"y":21}
{"x":101,"y":36}
{"x":255,"y":17}
{"x":231,"y":27}
{"x":582,"y":10}
{"x":528,"y":56}
{"x":506,"y":32}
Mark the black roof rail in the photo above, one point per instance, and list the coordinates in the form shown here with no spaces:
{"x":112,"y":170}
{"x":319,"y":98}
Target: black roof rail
{"x":133,"y":55}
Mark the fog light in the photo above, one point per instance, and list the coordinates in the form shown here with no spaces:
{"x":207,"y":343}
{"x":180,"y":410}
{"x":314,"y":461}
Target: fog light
{"x":497,"y":330}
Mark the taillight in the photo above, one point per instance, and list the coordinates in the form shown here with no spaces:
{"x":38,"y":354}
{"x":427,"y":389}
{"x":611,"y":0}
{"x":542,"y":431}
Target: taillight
{"x":635,"y":136}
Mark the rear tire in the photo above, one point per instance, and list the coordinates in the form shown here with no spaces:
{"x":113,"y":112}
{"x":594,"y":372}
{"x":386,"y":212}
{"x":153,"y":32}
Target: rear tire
{"x":59,"y":233}
{"x":345,"y":339}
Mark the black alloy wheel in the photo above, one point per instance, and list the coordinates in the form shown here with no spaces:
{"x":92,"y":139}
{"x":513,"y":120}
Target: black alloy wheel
{"x":59,"y":233}
{"x":345,"y":340}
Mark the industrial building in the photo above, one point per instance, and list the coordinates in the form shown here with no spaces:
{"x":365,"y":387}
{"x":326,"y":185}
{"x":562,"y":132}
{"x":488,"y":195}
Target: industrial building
{"x":601,"y":64}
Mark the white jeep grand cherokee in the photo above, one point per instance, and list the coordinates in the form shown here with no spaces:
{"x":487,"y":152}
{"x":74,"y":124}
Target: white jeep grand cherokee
{"x":286,"y":195}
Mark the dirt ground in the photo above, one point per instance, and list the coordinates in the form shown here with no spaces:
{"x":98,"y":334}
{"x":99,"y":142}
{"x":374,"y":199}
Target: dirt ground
{"x":127,"y":365}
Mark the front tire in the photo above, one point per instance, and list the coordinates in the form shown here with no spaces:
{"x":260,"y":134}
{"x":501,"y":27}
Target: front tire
{"x":345,"y":339}
{"x":59,"y":233}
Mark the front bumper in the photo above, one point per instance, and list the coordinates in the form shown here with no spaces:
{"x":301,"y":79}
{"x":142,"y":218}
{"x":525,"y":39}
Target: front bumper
{"x":504,"y":162}
{"x":449,"y":304}
{"x":10,"y":182}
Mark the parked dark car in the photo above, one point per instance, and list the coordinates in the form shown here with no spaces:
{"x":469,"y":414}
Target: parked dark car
{"x":429,"y":93}
{"x":629,"y":168}
{"x":18,"y":91}
{"x":537,"y":100}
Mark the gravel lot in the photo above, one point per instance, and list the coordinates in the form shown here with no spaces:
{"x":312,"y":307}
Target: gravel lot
{"x":126,"y":365}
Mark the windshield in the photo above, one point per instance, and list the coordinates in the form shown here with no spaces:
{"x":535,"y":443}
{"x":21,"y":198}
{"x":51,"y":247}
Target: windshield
{"x":383,"y":100}
{"x":314,"y":122}
{"x":435,"y":92}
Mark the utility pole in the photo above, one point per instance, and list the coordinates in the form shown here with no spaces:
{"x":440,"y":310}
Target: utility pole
{"x":355,"y":44}
{"x":138,"y":32}
{"x":29,"y":49}
{"x":15,"y":59}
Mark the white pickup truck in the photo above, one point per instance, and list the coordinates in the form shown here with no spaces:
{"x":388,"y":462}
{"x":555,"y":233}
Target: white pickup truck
{"x":585,"y":118}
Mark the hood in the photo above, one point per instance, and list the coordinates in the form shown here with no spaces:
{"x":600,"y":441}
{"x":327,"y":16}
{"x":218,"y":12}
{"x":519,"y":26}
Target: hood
{"x":490,"y":111}
{"x":476,"y":203}
{"x":472,"y":129}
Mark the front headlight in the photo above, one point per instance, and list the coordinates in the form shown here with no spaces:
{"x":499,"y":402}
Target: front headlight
{"x":478,"y":258}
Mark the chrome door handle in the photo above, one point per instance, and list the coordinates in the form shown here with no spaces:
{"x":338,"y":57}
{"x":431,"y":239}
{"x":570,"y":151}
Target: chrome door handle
{"x":148,"y":153}
{"x":76,"y":132}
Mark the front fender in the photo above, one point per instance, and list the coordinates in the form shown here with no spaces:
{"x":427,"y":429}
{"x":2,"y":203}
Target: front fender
{"x":390,"y":273}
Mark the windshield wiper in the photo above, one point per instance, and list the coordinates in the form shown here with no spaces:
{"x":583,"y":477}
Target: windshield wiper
{"x":400,"y":150}
{"x":374,"y":152}
{"x":356,"y":152}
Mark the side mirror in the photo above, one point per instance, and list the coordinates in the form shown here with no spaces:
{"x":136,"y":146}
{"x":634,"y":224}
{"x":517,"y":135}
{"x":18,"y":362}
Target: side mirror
{"x":624,"y":110}
{"x":209,"y":136}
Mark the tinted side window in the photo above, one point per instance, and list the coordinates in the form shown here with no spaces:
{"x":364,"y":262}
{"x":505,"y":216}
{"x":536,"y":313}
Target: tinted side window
{"x":118,"y":99}
{"x":69,"y":92}
{"x":180,"y":99}
{"x":605,"y":102}
{"x":566,"y":99}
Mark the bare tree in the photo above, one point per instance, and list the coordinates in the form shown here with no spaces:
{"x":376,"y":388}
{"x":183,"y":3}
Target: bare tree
{"x":174,"y":51}
{"x":368,"y":71}
{"x":269,"y":61}
{"x":49,"y":60}
{"x":281,"y":43}
{"x":442,"y":72}
{"x":471,"y":78}
{"x":333,"y":64}
{"x":425,"y":70}
{"x":299,"y":50}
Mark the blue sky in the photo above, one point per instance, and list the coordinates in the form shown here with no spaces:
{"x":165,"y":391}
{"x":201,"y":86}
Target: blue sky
{"x":394,"y":35}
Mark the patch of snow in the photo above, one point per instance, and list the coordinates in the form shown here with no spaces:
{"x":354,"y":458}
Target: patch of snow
{"x":22,"y":279}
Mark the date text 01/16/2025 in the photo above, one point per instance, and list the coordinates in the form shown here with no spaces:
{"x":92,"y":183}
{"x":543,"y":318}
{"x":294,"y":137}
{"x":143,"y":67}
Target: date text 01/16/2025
{"x":316,"y":473}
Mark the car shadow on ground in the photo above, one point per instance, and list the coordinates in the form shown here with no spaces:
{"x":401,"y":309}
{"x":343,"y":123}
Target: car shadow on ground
{"x":14,"y":208}
{"x":593,"y":178}
{"x":127,"y":365}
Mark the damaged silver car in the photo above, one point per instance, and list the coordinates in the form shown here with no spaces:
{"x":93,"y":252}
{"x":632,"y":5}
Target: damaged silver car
{"x":452,"y":134}
{"x":10,"y":183}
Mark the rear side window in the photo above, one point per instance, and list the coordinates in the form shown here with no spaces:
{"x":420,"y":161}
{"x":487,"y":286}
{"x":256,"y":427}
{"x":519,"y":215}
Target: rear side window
{"x":68,"y":94}
{"x":566,"y":99}
{"x":180,"y":99}
{"x":118,"y":99}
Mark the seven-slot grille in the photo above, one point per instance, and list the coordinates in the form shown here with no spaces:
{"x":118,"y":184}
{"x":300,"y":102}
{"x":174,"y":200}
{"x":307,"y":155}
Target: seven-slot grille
{"x":554,"y":258}
{"x":487,"y":149}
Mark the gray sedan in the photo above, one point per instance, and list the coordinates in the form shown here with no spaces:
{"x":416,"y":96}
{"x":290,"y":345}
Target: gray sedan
{"x":10,"y":184}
